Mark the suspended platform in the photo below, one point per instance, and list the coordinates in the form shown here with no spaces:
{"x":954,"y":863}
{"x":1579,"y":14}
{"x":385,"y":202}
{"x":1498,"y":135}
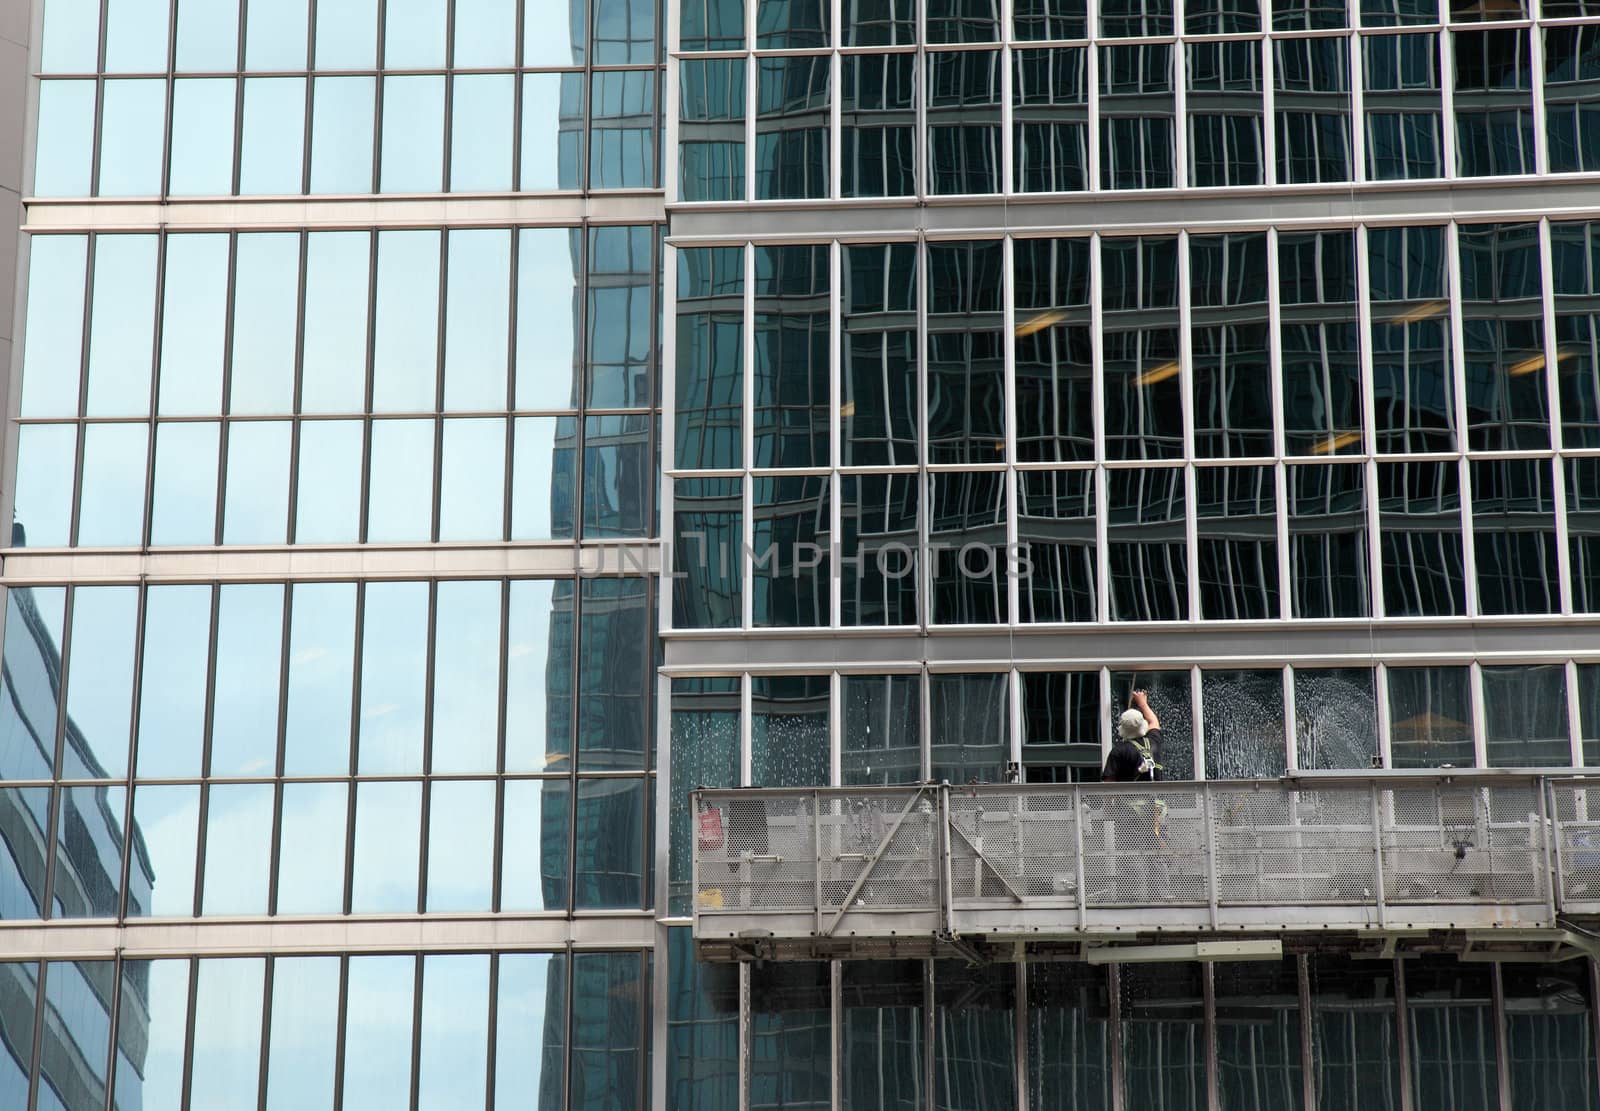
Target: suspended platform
{"x":1487,"y":864}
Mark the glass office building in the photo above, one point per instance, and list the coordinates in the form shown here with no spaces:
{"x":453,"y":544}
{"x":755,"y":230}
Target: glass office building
{"x":441,"y":433}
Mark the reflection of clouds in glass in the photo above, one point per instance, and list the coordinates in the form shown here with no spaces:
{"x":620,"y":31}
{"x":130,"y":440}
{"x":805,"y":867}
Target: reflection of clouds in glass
{"x":244,"y":717}
{"x":166,"y":819}
{"x":311,"y":857}
{"x":466,"y":677}
{"x":394,"y":653}
{"x":238,"y":849}
{"x":305,"y":1009}
{"x":455,"y":1031}
{"x":321,"y":654}
{"x":177,"y":621}
{"x":378,"y":1033}
{"x":388,"y":816}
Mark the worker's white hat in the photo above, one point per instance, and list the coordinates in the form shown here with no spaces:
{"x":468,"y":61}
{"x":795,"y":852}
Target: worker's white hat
{"x":1132,"y":724}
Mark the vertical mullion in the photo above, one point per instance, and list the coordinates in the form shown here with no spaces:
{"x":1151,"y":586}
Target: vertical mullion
{"x":1196,"y":715}
{"x":1446,"y":53}
{"x":374,"y":239}
{"x":751,"y":102}
{"x":1186,"y":401}
{"x":1008,"y":308}
{"x":1502,"y":1049}
{"x":1114,"y":1022}
{"x":494,"y":1017}
{"x":747,"y":445}
{"x":133,"y":725}
{"x":1552,"y":369}
{"x":1380,"y":694}
{"x":1091,"y":172}
{"x":1097,"y":394}
{"x":1575,"y":721}
{"x":340,"y":1041}
{"x":1269,"y":118}
{"x":1279,"y":432}
{"x":1402,"y":1022}
{"x":836,"y":279}
{"x":1104,"y":675}
{"x":1480,"y":756}
{"x":1004,"y":178}
{"x":269,"y":968}
{"x":354,"y":767}
{"x":496,"y":886}
{"x":1290,"y":739}
{"x":418,"y":987}
{"x":187,"y":1068}
{"x":1208,"y":998}
{"x":1535,"y":59}
{"x":441,"y":321}
{"x":158,"y":337}
{"x":449,"y":79}
{"x":1358,"y":111}
{"x":924,"y":567}
{"x":1463,"y":417}
{"x":291,"y":522}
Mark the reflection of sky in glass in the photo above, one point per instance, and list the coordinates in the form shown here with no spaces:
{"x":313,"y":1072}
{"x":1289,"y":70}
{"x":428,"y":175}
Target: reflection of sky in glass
{"x":275,"y":35}
{"x":202,"y":132}
{"x":476,"y":319}
{"x":405,"y":355}
{"x":193,"y":321}
{"x":172,"y":701}
{"x":535,"y":836}
{"x":238,"y":849}
{"x":466,"y":678}
{"x":124,"y":317}
{"x":335,"y":359}
{"x":183,"y":503}
{"x":461,"y":845}
{"x":208,"y":35}
{"x":394,"y":653}
{"x":311,"y":853}
{"x":321,"y":660}
{"x":453,"y":1059}
{"x":157,"y":1081}
{"x":100,"y":686}
{"x":305,"y":1012}
{"x":521,"y":1071}
{"x":166,"y":821}
{"x":256,"y":499}
{"x":378,"y":1033}
{"x":55,"y":326}
{"x":400,"y":496}
{"x":388,"y":816}
{"x":227,"y":1034}
{"x":347,"y":34}
{"x":266,"y":299}
{"x":528,"y":688}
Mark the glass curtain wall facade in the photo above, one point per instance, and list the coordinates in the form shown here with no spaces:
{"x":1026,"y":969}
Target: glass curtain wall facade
{"x":1029,"y":353}
{"x":329,"y":644}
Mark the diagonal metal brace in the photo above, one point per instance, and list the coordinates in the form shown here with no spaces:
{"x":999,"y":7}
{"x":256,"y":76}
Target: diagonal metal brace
{"x":978,"y":853}
{"x":872,"y":862}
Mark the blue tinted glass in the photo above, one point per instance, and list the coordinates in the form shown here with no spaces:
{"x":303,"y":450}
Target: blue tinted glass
{"x":172,"y":702}
{"x":265,"y":302}
{"x":111,"y":505}
{"x":161,"y":877}
{"x":530,"y":1055}
{"x":136,"y":36}
{"x":132,"y":118}
{"x":183,"y":503}
{"x":543,"y":477}
{"x":703,"y":1029}
{"x":322,"y":641}
{"x":533,"y":869}
{"x":77,"y":1001}
{"x":256,"y":495}
{"x":304,"y":1032}
{"x":88,"y":863}
{"x":16,"y":1030}
{"x":202,"y":136}
{"x":472,"y":480}
{"x":334,"y":370}
{"x":394,"y":655}
{"x":482,"y":111}
{"x":621,"y":311}
{"x":405,"y":355}
{"x":311,"y":848}
{"x":52,"y":360}
{"x":413,"y":135}
{"x":486,"y":32}
{"x":377,"y":1033}
{"x":31,"y":681}
{"x":414,"y":34}
{"x":227,"y":1033}
{"x":556,"y":36}
{"x":347,"y":34}
{"x":792,"y":127}
{"x":194,"y":319}
{"x":100,"y":681}
{"x":707,"y":526}
{"x":384,"y":876}
{"x":238,"y":849}
{"x":617,"y":476}
{"x":614,"y":635}
{"x":208,"y":36}
{"x":45,"y":456}
{"x":400,"y":495}
{"x":122,"y":324}
{"x":149,"y":1069}
{"x":609,"y":835}
{"x":711,"y":25}
{"x":272,"y":136}
{"x":328,"y":506}
{"x":466,"y":677}
{"x":552,"y":131}
{"x":461,"y":845}
{"x":608,"y":1028}
{"x":539,"y":666}
{"x":624,"y":32}
{"x":244,"y":711}
{"x":71,"y":36}
{"x":705,"y":751}
{"x":622,"y":139}
{"x":275,"y":35}
{"x":711,"y":153}
{"x":791,"y":1031}
{"x":341,"y":134}
{"x":454,"y":1045}
{"x":548,"y":268}
{"x":477,"y":319}
{"x":64,"y":158}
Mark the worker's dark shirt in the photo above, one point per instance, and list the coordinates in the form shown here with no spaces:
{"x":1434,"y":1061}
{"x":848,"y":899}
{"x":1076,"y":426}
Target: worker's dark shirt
{"x":1122,"y":765}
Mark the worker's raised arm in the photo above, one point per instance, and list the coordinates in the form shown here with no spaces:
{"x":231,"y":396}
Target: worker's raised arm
{"x":1141,"y":702}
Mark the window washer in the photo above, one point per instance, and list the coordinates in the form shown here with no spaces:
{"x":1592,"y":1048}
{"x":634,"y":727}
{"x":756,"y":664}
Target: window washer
{"x":1135,"y":757}
{"x":1136,"y":753}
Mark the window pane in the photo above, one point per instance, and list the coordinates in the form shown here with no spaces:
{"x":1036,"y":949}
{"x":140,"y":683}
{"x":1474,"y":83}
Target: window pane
{"x":1054,"y":403}
{"x":712,"y":25}
{"x":971,"y":723}
{"x":1430,"y":716}
{"x":618,"y":475}
{"x":536,"y":820}
{"x":1069,"y":1056}
{"x":966,"y":547}
{"x":413,"y":134}
{"x":311,"y":850}
{"x":1311,"y":97}
{"x":377,"y":1033}
{"x":1493,"y":103}
{"x":482,"y":107}
{"x":1231,"y":345}
{"x":123,"y":322}
{"x":184,"y":501}
{"x":208,"y":36}
{"x":792,"y":341}
{"x":172,"y":692}
{"x":454,"y":1053}
{"x":1243,"y":724}
{"x":256,"y":501}
{"x":347,"y":34}
{"x":45,"y":457}
{"x":472,"y":480}
{"x":335,"y":360}
{"x":71,"y":36}
{"x":266,"y":301}
{"x":705,"y":752}
{"x":1503,"y":337}
{"x":966,"y":363}
{"x":549,"y":262}
{"x":1226,"y":146}
{"x":1056,"y":528}
{"x":1237,"y":538}
{"x":136,"y":36}
{"x":710,"y":362}
{"x":530,"y":1049}
{"x":77,"y":1003}
{"x":1329,"y":572}
{"x":244,"y":713}
{"x":132,"y":120}
{"x":1163,"y":1033}
{"x":227,"y":1034}
{"x":879,"y":355}
{"x":789,"y":578}
{"x":485,"y":33}
{"x":88,"y":861}
{"x":21,"y":991}
{"x":1258,"y":1034}
{"x":1137,"y":110}
{"x":703,"y":1028}
{"x":64,"y":159}
{"x":161,"y":878}
{"x":609,"y":998}
{"x":461,"y":845}
{"x":194,"y":319}
{"x":963,"y":129}
{"x":1061,"y":726}
{"x":1514,"y":536}
{"x":1126,"y":18}
{"x":552,"y":130}
{"x":111,"y":504}
{"x":1143,"y":372}
{"x":1403,"y":106}
{"x":882,"y":1044}
{"x":1450,"y":1021}
{"x":1570,"y":73}
{"x":622,"y":135}
{"x":711,"y":131}
{"x":400,"y":492}
{"x":1525,"y":716}
{"x":394,"y":655}
{"x":154,"y":999}
{"x":328,"y":505}
{"x":974,"y":1037}
{"x":609,"y":835}
{"x":272,"y":138}
{"x":791,"y":127}
{"x":30,"y":680}
{"x":1335,"y":718}
{"x":405,"y":358}
{"x":539,"y":668}
{"x":1419,"y":506}
{"x":621,"y":308}
{"x":305,"y":1016}
{"x":1576,"y":268}
{"x":1321,"y":352}
{"x":789,"y":731}
{"x":881,"y":733}
{"x":1049,"y":19}
{"x":1413,"y":382}
{"x":384,"y":874}
{"x":614,"y":637}
{"x":414,"y":34}
{"x":275,"y":36}
{"x":707,"y":553}
{"x":100,"y":680}
{"x":341,"y":135}
{"x":202,"y":135}
{"x":543,"y":476}
{"x":791,"y":1031}
{"x":53,"y":356}
{"x":1550,"y":1055}
{"x":1169,"y":693}
{"x":466,"y":678}
{"x":1148,"y":549}
{"x":321,"y":662}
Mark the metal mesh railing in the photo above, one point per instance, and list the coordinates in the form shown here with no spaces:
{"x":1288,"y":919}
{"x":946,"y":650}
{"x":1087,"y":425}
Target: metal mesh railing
{"x":1409,"y":849}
